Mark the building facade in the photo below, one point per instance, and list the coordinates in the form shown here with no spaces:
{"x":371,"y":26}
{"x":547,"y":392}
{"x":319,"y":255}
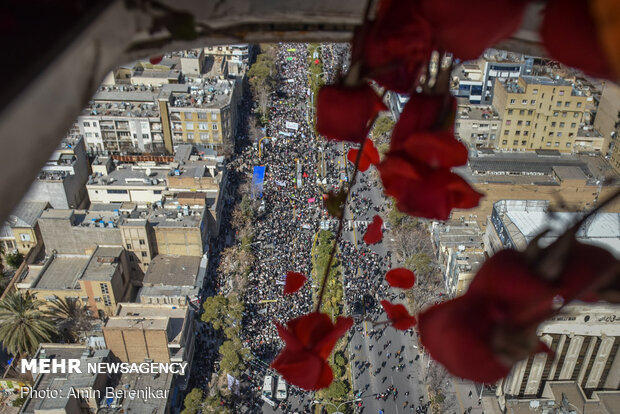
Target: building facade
{"x":607,"y":122}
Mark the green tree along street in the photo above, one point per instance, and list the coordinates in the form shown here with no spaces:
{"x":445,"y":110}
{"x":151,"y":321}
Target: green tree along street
{"x":14,"y":259}
{"x":223,"y":311}
{"x":193,"y":401}
{"x":262,"y":77}
{"x":234,"y":356}
{"x":24,"y":324}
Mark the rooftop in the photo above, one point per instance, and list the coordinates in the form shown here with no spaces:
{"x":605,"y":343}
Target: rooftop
{"x":476,"y":113}
{"x":62,"y":273}
{"x":172,"y":271}
{"x":132,"y":175}
{"x":202,"y":93}
{"x":26,"y":214}
{"x":103,"y":263}
{"x":64,"y":381}
{"x":137,"y":381}
{"x":149,"y":316}
{"x":523,"y":163}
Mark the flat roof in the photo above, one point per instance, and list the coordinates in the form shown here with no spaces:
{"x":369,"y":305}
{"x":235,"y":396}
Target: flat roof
{"x":136,"y":381}
{"x":62,"y":273}
{"x":103,"y":264}
{"x":26,"y":213}
{"x":132,"y":175}
{"x":569,"y":172}
{"x":172,"y":271}
{"x":524,"y":163}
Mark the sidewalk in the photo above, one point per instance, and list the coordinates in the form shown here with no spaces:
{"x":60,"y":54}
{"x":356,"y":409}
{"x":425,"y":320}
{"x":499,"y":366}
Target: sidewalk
{"x":463,"y":389}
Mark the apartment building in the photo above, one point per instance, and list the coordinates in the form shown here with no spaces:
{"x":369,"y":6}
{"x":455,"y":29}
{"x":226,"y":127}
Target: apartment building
{"x":61,"y":180}
{"x":173,"y":280}
{"x":161,"y":333}
{"x":100,"y":279}
{"x":607,"y":122}
{"x":237,"y":57}
{"x":477,"y":126}
{"x":538,"y":113}
{"x":21,"y":231}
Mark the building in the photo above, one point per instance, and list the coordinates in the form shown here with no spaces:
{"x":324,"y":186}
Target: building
{"x":173,"y":280}
{"x":61,"y":180}
{"x":585,"y":341}
{"x":75,"y":393}
{"x":161,"y":333}
{"x":167,"y":71}
{"x":236,"y":56}
{"x":606,"y":122}
{"x":100,"y":279}
{"x":467,"y":83}
{"x":563,"y":180}
{"x":477,"y":126}
{"x":203,"y":113}
{"x":21,"y":231}
{"x":539,"y":113}
{"x":515,"y":223}
{"x":460,"y":252}
{"x":140,"y":183}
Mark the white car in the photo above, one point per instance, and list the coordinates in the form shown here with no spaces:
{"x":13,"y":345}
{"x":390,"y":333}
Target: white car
{"x":268,"y":386}
{"x":281,"y":393}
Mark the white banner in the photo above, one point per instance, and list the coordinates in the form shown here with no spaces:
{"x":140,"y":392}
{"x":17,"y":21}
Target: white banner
{"x":292,"y":125}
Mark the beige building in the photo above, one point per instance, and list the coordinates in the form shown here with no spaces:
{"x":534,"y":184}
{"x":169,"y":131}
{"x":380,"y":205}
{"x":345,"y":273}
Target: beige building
{"x":161,"y":333}
{"x":584,"y":340}
{"x":21,"y":231}
{"x":538,"y":113}
{"x":100,"y":279}
{"x":477,"y":126}
{"x":606,"y":122}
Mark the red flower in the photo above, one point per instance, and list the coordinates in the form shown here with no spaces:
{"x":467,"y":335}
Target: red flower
{"x":373,"y":232}
{"x":466,"y":28}
{"x":344,"y":113}
{"x":309,"y":339}
{"x":435,"y":149}
{"x":396,"y":45}
{"x":370,"y":156}
{"x":569,"y":35}
{"x":398,"y":315}
{"x":423,"y":191}
{"x":294,"y":281}
{"x":400,"y":278}
{"x":156,"y":59}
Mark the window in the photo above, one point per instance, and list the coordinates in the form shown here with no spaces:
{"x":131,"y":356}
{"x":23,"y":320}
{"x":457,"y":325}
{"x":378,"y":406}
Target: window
{"x":573,"y":124}
{"x":576,"y":115}
{"x":578,"y":104}
{"x":526,"y":133}
{"x":96,"y":134}
{"x":128,"y":246}
{"x":508,"y":122}
{"x":107,"y":301}
{"x":556,"y":113}
{"x":157,"y":192}
{"x":504,"y":142}
{"x":524,"y":102}
{"x":519,"y":123}
{"x":548,"y":143}
{"x":556,"y":144}
{"x":551,"y":133}
{"x":215,"y":127}
{"x":530,"y":112}
{"x":567,"y":104}
{"x":564,"y":114}
{"x":190,"y":136}
{"x":523,"y":142}
{"x":553,"y":124}
{"x":533,"y":102}
{"x":187,"y":115}
{"x":515,"y":142}
{"x":512,"y":101}
{"x":131,"y":258}
{"x":89,"y":135}
{"x":204,"y":136}
{"x":213,"y":116}
{"x":141,"y":242}
{"x":558,"y":103}
{"x":189,"y":125}
{"x":528,"y":123}
{"x":506,"y":132}
{"x":145,"y":136}
{"x":510,"y":112}
{"x":24,"y":237}
{"x":568,"y":145}
{"x":87,"y":124}
{"x":143,"y":254}
{"x":517,"y":133}
{"x":561,"y":93}
{"x":535,"y":92}
{"x":94,"y":123}
{"x":522,"y":112}
{"x":562,"y":124}
{"x":202,"y":115}
{"x":559,"y":134}
{"x":117,"y":191}
{"x":104,"y":288}
{"x":203,"y":126}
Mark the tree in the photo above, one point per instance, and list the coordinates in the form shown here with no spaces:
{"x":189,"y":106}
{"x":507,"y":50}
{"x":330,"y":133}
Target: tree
{"x":216,"y":403}
{"x":234,"y":355}
{"x":383,"y":126}
{"x":14,"y":259}
{"x":71,"y":317}
{"x":221,"y":311}
{"x":23,"y":323}
{"x":395,"y":217}
{"x":419,"y":263}
{"x":193,"y":401}
{"x":338,"y":390}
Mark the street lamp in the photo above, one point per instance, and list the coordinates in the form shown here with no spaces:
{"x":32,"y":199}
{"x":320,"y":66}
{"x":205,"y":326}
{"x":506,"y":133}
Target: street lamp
{"x":337,"y":407}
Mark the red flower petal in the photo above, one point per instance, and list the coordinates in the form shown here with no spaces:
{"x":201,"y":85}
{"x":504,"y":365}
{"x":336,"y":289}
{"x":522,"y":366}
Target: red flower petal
{"x":370,"y":156}
{"x":432,"y":194}
{"x":344,"y":113}
{"x":400,"y":278}
{"x":303,"y":369}
{"x":569,"y":35}
{"x":466,"y":28}
{"x":374,"y":234}
{"x":294,"y":281}
{"x":156,"y":59}
{"x":398,"y":315}
{"x":436,"y":149}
